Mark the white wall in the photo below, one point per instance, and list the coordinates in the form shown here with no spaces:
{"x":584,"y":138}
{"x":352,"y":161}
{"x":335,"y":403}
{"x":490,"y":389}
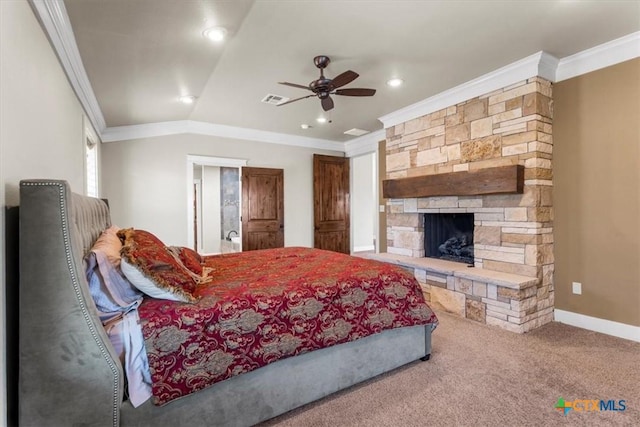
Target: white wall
{"x":42,"y":120}
{"x":211,"y":215}
{"x":147,"y":181}
{"x":363,"y":202}
{"x":41,"y":127}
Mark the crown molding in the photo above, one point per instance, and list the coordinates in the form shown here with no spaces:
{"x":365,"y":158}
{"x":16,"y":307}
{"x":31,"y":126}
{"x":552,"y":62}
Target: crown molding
{"x":601,"y":56}
{"x":539,"y":64}
{"x":364,"y":144}
{"x":547,"y":66}
{"x":149,"y":130}
{"x":53,"y":17}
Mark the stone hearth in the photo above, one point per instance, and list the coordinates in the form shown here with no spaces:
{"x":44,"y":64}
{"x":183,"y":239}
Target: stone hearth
{"x":511,"y":282}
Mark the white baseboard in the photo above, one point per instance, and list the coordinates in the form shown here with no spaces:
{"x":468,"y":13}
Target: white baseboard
{"x":364,"y":248}
{"x":609,"y":327}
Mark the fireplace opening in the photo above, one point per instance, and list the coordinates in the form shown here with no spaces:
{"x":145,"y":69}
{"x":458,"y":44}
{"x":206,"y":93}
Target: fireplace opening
{"x":449,"y":236}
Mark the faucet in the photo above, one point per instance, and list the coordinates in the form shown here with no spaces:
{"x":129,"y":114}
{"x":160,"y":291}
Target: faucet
{"x":229,"y":234}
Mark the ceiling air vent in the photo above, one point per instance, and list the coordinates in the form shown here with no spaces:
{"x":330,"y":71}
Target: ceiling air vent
{"x":356,"y":132}
{"x":274,"y":99}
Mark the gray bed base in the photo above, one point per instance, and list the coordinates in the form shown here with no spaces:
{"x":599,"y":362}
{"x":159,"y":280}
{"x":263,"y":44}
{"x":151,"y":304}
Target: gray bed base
{"x":70,"y":376}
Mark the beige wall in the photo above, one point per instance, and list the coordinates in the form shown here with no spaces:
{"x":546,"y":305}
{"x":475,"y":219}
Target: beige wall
{"x":146,"y":183}
{"x":41,"y":127}
{"x":596,"y":193}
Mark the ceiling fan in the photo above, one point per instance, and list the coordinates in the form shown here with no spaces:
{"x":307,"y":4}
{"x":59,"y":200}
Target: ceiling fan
{"x":323,"y":87}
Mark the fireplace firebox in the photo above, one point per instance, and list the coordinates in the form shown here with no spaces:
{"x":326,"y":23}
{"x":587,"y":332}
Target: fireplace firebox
{"x":449,"y":236}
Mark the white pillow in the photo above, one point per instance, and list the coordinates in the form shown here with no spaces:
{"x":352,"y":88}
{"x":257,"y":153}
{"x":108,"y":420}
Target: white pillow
{"x":148,"y":286}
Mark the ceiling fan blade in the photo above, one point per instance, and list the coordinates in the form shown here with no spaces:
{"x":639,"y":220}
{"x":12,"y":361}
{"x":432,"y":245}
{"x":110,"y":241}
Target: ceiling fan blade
{"x":327,"y":103}
{"x":344,"y":78}
{"x":295,"y":85}
{"x":356,"y":92}
{"x":294,"y":100}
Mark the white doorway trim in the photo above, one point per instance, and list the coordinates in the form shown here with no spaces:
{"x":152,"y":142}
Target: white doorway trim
{"x":197,"y":244}
{"x":193,"y":160}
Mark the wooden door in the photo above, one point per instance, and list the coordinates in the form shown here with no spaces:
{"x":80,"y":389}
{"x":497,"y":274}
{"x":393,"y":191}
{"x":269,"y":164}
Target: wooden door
{"x":331,"y":203}
{"x":262,"y":208}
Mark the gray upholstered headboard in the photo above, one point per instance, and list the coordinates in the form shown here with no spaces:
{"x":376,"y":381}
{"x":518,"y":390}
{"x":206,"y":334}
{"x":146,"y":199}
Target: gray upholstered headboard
{"x":70,"y":376}
{"x":69,"y":373}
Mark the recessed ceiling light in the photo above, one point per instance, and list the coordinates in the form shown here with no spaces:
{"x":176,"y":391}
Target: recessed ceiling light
{"x":395,"y":82}
{"x":187,"y":99}
{"x":305,"y":126}
{"x":321,"y":120}
{"x":217,"y":34}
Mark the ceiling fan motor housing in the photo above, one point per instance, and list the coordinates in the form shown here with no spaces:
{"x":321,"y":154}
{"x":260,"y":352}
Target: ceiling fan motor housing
{"x":320,"y":86}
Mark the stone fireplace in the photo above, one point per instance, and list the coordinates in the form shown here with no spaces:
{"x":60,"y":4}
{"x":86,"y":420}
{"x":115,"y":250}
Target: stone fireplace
{"x":510,"y":284}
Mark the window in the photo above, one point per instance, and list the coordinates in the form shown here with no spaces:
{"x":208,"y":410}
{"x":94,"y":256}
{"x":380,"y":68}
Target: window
{"x":91,"y":165}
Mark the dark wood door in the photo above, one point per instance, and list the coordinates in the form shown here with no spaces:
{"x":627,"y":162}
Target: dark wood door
{"x":262,"y":208}
{"x":331,"y":203}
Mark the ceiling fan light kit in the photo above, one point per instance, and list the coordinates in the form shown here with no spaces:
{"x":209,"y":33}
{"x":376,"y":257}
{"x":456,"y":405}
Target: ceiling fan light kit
{"x":323,"y":87}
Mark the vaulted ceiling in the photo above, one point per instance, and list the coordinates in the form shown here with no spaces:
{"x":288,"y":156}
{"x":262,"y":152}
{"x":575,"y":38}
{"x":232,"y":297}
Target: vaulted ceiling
{"x":141,"y":55}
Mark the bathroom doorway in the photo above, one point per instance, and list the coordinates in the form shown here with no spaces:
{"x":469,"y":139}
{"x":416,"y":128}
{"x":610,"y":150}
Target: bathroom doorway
{"x":214,"y":204}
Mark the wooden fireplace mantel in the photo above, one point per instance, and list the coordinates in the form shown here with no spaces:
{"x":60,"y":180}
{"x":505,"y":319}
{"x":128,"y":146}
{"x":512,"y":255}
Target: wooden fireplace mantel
{"x":496,"y":180}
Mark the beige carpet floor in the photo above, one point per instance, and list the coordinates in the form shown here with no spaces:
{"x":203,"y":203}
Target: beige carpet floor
{"x":482,"y":376}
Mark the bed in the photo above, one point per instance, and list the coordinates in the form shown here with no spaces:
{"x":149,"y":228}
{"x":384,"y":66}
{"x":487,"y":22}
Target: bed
{"x":70,"y":373}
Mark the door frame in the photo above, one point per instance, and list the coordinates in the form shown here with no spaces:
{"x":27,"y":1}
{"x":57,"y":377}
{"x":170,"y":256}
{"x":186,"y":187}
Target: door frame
{"x":193,"y":160}
{"x":197,"y":244}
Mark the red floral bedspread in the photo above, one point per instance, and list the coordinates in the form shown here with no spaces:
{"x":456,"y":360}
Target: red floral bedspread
{"x":267,"y":305}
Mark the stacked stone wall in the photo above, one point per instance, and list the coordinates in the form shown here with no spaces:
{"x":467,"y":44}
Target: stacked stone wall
{"x":513,"y":232}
